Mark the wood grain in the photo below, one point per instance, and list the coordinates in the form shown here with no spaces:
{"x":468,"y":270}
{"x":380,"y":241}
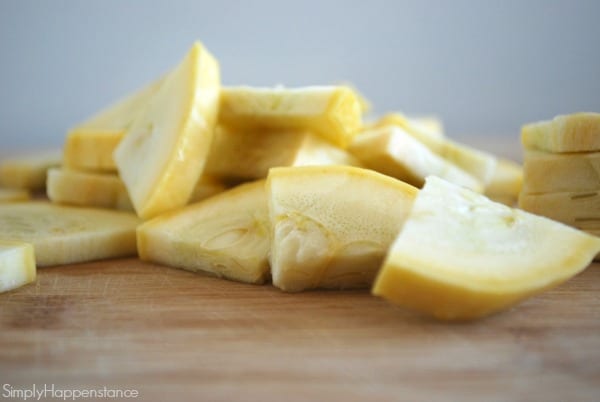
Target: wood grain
{"x":173,"y":334}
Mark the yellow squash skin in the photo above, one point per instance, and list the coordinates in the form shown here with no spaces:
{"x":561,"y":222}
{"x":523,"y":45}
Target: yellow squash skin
{"x":164,"y":151}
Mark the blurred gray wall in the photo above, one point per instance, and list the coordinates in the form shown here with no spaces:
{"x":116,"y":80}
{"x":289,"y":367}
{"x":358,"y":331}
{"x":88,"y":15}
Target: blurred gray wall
{"x":485,"y":67}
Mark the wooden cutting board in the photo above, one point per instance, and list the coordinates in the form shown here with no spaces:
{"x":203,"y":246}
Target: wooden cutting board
{"x":174,"y":335}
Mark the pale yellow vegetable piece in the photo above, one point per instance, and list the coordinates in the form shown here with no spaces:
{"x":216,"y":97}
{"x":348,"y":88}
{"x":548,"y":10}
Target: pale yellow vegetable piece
{"x":332,"y":225}
{"x":430,"y":124}
{"x":206,"y":187}
{"x":87,"y":150}
{"x":578,"y":209}
{"x":65,"y":235}
{"x":314,"y":151}
{"x":431,"y":138}
{"x":334,"y":112}
{"x":13,"y":194}
{"x":226,"y":235}
{"x":161,"y":157}
{"x":28,"y":171}
{"x":506,"y":182}
{"x":392,"y":151}
{"x":429,"y":129}
{"x":75,"y":187}
{"x":578,"y":132}
{"x":106,"y":190}
{"x":91,"y":144}
{"x":17,"y":264}
{"x":248,"y":154}
{"x":365,"y":104}
{"x":479,"y":164}
{"x":546,"y":172}
{"x":461,"y":256}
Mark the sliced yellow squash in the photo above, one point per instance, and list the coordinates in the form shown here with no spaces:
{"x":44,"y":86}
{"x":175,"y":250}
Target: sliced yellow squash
{"x":74,"y":187}
{"x":479,"y":164}
{"x":334,"y":112}
{"x":65,"y":235}
{"x":28,"y":171}
{"x":392,"y":151}
{"x":506,"y":182}
{"x":106,"y":190}
{"x":577,"y":209}
{"x":206,"y":187}
{"x":461,"y":256}
{"x":332,"y":225}
{"x":578,"y":132}
{"x":161,"y":157}
{"x":239,"y":154}
{"x":428,"y":137}
{"x":91,"y":144}
{"x":17,"y":265}
{"x":547,"y":172}
{"x":429,"y":124}
{"x":226,"y":235}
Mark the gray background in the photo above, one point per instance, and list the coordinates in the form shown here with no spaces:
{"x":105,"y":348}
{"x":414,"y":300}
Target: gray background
{"x":485,"y":67}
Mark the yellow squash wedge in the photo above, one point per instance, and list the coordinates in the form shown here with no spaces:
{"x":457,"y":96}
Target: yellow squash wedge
{"x":162,"y":156}
{"x":226,"y":235}
{"x":461,"y":256}
{"x":332,"y":225}
{"x":17,"y":265}
{"x":392,"y":151}
{"x":239,"y":154}
{"x":65,"y":235}
{"x":334,"y":112}
{"x":90,"y":145}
